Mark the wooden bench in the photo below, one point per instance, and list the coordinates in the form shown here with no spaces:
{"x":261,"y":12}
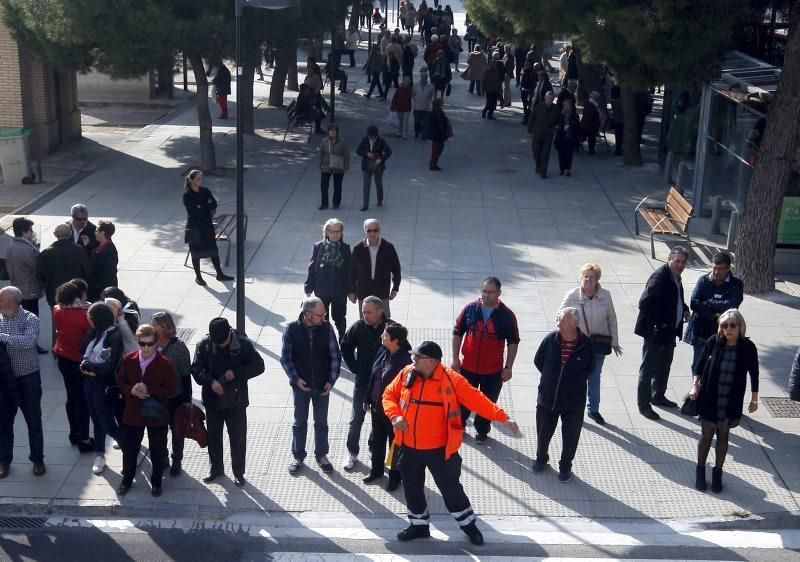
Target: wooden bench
{"x":224,"y":228}
{"x":672,"y":217}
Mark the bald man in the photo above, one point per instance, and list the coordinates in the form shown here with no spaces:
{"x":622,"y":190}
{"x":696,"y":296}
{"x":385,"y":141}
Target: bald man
{"x":62,"y":261}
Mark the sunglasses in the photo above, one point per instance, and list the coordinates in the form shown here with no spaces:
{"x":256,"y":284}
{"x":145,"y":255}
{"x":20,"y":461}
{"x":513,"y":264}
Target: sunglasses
{"x":371,"y":230}
{"x":146,"y":343}
{"x":731,"y":325}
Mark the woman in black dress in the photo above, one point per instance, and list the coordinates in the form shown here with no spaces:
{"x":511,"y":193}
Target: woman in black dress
{"x":200,"y":206}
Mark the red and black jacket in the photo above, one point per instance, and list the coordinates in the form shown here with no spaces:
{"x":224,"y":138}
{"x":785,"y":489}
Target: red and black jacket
{"x":484,"y":344}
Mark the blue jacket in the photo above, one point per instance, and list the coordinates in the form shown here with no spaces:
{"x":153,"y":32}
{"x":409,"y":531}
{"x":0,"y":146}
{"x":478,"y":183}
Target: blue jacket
{"x":708,"y":302}
{"x":327,"y":281}
{"x":563,"y":387}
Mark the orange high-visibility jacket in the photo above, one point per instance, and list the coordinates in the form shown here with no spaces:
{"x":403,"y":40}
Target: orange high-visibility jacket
{"x":431,"y":407}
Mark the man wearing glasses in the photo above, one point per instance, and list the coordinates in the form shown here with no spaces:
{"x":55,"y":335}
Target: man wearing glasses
{"x":83,"y":230}
{"x":424,"y":405}
{"x":374,"y":268}
{"x":311,"y":358}
{"x":484,"y":327}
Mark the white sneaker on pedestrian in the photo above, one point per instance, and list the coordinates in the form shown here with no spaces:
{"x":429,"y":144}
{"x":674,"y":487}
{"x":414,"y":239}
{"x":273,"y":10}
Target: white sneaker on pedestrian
{"x":350,"y":463}
{"x":99,"y":464}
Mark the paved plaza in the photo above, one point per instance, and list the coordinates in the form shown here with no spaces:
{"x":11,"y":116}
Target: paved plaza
{"x":484,"y":214}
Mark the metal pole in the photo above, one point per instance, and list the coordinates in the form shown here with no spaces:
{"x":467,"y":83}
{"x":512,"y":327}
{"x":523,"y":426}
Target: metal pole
{"x":185,"y":75}
{"x":334,"y":66}
{"x":240,"y":316}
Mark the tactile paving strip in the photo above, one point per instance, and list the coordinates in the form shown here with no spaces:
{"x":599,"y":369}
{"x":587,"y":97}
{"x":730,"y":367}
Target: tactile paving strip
{"x":782,"y":407}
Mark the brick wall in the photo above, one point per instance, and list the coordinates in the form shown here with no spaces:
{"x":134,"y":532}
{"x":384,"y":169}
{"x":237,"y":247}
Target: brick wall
{"x":11,"y":112}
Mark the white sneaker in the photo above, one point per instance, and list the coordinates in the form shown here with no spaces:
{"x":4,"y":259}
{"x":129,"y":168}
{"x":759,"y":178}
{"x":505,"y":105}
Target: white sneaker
{"x":99,"y":464}
{"x":350,"y":463}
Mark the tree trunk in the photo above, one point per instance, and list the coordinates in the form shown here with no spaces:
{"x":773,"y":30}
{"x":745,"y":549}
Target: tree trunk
{"x":355,"y":13}
{"x":293,"y":84}
{"x":631,"y":135}
{"x":755,"y":259}
{"x":247,"y":80}
{"x":208,"y":155}
{"x":279,"y":75}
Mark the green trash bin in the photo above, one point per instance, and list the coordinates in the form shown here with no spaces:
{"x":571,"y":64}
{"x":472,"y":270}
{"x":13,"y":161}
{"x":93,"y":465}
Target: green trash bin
{"x":15,"y":156}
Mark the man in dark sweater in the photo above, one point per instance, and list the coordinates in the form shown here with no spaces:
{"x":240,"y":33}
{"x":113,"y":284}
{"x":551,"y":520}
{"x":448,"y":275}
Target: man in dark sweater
{"x":62,"y":261}
{"x":374,"y":268}
{"x":360,"y":345}
{"x":541,"y":127}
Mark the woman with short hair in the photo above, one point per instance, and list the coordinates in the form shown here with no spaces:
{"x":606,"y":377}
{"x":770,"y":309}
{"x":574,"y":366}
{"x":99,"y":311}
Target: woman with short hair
{"x":596,"y":316}
{"x":104,"y":260}
{"x":327,"y":273}
{"x":720,"y":381}
{"x":334,"y":160}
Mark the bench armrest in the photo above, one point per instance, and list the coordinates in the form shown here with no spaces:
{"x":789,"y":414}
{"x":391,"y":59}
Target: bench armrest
{"x":642,"y":205}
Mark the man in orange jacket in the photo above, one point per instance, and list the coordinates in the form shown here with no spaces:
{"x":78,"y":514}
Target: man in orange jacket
{"x":424,"y":405}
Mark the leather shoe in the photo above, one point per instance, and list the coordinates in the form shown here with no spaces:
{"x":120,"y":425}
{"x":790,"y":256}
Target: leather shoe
{"x":211,"y":476}
{"x":39,"y":469}
{"x":223,"y":277}
{"x":597,"y":418}
{"x":394,"y":482}
{"x":4,"y":467}
{"x":474,"y":534}
{"x":649,"y":413}
{"x":123,"y":488}
{"x":364,"y":208}
{"x":663,"y":401}
{"x":239,"y":481}
{"x":175,"y":469}
{"x":371,"y":477}
{"x":155,"y":491}
{"x":414,"y":532}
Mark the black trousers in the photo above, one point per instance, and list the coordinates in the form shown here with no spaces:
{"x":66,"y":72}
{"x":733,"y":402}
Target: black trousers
{"x":76,"y":406}
{"x":526,"y":105}
{"x":472,"y":85}
{"x":654,"y":371}
{"x":447,"y":476}
{"x":382,"y":436}
{"x":490,"y":385}
{"x":324,"y":184}
{"x":131,"y":444}
{"x":236,"y":421}
{"x":491,"y":103}
{"x":336,"y":308}
{"x":571,"y":425}
{"x":376,"y":81}
{"x":565,"y":153}
{"x":177,"y":442}
{"x":541,"y":151}
{"x":421,"y":123}
{"x":31,"y":305}
{"x":619,"y":129}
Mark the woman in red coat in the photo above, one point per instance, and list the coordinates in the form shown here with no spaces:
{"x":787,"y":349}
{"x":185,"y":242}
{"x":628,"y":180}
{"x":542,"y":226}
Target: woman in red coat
{"x":144,"y":375}
{"x":401,"y":104}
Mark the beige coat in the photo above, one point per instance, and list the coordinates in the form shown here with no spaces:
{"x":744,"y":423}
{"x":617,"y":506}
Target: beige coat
{"x":599,"y":312}
{"x":476,"y":66}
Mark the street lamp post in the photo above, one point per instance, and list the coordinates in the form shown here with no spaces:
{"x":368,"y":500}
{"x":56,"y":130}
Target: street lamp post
{"x":271,"y":5}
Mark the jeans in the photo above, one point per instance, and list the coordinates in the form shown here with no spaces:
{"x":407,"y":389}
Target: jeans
{"x":490,"y":385}
{"x":336,"y":308}
{"x":593,"y":386}
{"x":77,"y":409}
{"x":571,"y":425}
{"x":654,"y":372}
{"x":378,"y":174}
{"x":421,"y":123}
{"x":356,"y":420}
{"x":29,"y":393}
{"x":473,"y":84}
{"x":302,"y":400}
{"x":177,"y":442}
{"x":235,"y":419}
{"x":131,"y":444}
{"x":102,"y":414}
{"x":325,"y":180}
{"x":698,"y":351}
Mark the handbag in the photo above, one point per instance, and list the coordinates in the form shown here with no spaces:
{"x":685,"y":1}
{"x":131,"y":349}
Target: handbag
{"x":152,"y":408}
{"x":601,"y":344}
{"x":689,"y":407}
{"x":393,"y":119}
{"x":335,"y":161}
{"x":192,"y":236}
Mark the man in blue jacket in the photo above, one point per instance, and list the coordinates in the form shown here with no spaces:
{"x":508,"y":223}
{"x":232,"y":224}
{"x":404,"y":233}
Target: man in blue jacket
{"x":566,"y":359}
{"x":714,"y":294}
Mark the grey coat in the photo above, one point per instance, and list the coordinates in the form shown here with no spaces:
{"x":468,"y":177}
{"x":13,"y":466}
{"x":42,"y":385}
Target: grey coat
{"x":326,"y":148}
{"x":21,"y":258}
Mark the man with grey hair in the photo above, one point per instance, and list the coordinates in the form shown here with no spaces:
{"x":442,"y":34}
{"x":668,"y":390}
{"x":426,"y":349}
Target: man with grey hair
{"x":374,"y":268}
{"x":22,"y":387}
{"x":61,"y":261}
{"x":662,"y":312}
{"x":360,"y":345}
{"x":542,"y":123}
{"x":565,"y":359}
{"x":311,"y":358}
{"x":82,"y":229}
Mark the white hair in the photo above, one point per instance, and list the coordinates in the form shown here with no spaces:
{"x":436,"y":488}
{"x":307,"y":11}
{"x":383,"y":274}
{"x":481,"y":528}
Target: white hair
{"x":571,"y":310}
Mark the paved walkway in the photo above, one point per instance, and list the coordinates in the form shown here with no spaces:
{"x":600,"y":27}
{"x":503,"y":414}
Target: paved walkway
{"x":484,"y":214}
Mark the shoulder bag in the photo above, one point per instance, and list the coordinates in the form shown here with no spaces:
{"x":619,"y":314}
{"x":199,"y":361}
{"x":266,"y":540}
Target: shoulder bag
{"x":152,"y":408}
{"x":601,"y":344}
{"x":335,"y":161}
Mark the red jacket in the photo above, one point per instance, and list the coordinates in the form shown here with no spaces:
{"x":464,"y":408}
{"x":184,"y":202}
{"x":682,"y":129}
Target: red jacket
{"x":189,"y":424}
{"x":432,"y":408}
{"x":72,"y":325}
{"x":159,"y":377}
{"x":483,"y":345}
{"x":401,"y":102}
{"x":430,"y":53}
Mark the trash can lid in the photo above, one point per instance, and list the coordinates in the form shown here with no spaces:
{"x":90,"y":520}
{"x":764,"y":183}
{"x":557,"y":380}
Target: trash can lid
{"x":10,"y":132}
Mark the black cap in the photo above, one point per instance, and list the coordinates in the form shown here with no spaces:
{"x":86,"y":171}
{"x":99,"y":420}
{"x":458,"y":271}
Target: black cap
{"x":428,"y":348}
{"x":218,"y":330}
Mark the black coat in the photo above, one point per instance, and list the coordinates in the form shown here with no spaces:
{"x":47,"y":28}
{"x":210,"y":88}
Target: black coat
{"x":794,"y":379}
{"x":387,"y":271}
{"x":563,"y":388}
{"x":106,"y":372}
{"x":567,"y":131}
{"x":658,"y":307}
{"x":382,"y":376}
{"x":222,"y":80}
{"x":62,"y":261}
{"x":90,"y":231}
{"x":380,"y":148}
{"x":365,"y":341}
{"x":437,"y":125}
{"x":708,"y":368}
{"x":199,"y":234}
{"x":211,"y":362}
{"x":104,"y":270}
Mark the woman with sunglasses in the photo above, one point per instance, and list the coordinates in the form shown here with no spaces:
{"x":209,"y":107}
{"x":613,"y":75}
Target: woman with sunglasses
{"x":720,"y":381}
{"x":145,"y":376}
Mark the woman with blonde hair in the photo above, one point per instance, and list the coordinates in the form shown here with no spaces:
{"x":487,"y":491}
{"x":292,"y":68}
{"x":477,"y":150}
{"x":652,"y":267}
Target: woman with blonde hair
{"x":720,"y":381}
{"x":598,"y":320}
{"x":327,"y":272}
